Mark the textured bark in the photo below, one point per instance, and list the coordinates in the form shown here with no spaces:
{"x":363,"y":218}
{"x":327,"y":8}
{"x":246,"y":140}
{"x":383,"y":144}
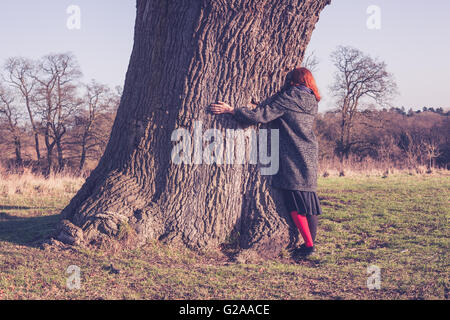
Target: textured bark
{"x":83,"y":152}
{"x":187,"y":55}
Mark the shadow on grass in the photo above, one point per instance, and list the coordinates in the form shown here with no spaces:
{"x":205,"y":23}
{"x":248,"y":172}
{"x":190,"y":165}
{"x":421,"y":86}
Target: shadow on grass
{"x":23,"y":208}
{"x":14,"y":208}
{"x":27,"y":230}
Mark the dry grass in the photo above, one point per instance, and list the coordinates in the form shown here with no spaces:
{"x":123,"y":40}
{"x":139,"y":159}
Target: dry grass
{"x":399,"y":223}
{"x":371,"y":168}
{"x":30,"y":185}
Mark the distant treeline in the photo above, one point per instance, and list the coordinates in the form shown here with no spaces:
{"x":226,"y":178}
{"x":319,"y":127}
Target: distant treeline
{"x":391,"y":138}
{"x":50,"y":121}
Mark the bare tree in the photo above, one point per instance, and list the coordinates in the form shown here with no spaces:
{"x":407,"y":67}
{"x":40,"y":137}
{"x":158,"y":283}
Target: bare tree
{"x":11,"y":114}
{"x":431,"y":149}
{"x":311,"y":61}
{"x":386,"y":151}
{"x":358,"y":77}
{"x":56,"y":97}
{"x":19,"y":75}
{"x":98,"y":99}
{"x":411,"y":146}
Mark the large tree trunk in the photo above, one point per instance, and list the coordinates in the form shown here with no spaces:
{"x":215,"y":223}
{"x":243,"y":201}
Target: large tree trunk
{"x":187,"y":55}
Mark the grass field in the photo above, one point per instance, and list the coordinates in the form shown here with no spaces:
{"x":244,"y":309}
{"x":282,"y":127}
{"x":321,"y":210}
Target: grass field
{"x":399,"y":224}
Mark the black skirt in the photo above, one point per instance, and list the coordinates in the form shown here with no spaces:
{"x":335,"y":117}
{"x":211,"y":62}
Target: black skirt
{"x":304,"y":202}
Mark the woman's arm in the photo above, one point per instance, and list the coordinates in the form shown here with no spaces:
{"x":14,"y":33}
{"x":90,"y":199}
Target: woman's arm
{"x":261,"y":114}
{"x":221,"y":107}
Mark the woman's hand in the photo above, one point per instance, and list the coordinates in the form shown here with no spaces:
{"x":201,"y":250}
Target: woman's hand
{"x":221,"y":107}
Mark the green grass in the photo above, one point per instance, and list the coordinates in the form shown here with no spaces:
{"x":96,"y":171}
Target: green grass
{"x":399,"y":224}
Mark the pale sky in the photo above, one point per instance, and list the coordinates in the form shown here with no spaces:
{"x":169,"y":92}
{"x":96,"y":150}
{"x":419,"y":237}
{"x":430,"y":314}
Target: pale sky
{"x":413,"y":40}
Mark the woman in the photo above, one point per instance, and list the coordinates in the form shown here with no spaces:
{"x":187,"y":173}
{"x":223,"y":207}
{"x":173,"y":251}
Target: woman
{"x":292,"y":111}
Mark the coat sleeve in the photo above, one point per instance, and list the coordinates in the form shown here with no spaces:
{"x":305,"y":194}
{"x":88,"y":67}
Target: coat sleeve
{"x":262,"y":113}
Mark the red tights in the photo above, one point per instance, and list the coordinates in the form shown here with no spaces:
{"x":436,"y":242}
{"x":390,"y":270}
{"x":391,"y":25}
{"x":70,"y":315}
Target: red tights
{"x":302,"y":224}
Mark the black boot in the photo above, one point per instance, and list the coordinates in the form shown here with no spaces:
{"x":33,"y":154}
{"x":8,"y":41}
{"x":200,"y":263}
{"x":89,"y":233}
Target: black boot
{"x":304,"y":251}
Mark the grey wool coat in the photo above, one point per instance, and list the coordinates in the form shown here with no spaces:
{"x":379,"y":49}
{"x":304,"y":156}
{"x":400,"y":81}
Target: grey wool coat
{"x":292,"y":111}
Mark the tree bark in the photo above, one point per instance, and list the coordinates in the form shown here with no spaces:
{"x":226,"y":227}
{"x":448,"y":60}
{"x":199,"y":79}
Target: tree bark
{"x":49,"y":145}
{"x":187,"y":55}
{"x":83,"y":151}
{"x":18,"y":150}
{"x":33,"y":125}
{"x":60,"y":155}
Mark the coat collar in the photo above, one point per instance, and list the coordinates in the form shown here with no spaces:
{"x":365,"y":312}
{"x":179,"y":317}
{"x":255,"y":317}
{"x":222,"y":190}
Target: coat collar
{"x":305,"y":88}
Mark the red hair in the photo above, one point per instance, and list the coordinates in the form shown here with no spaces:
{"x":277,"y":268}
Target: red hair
{"x":302,"y":76}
